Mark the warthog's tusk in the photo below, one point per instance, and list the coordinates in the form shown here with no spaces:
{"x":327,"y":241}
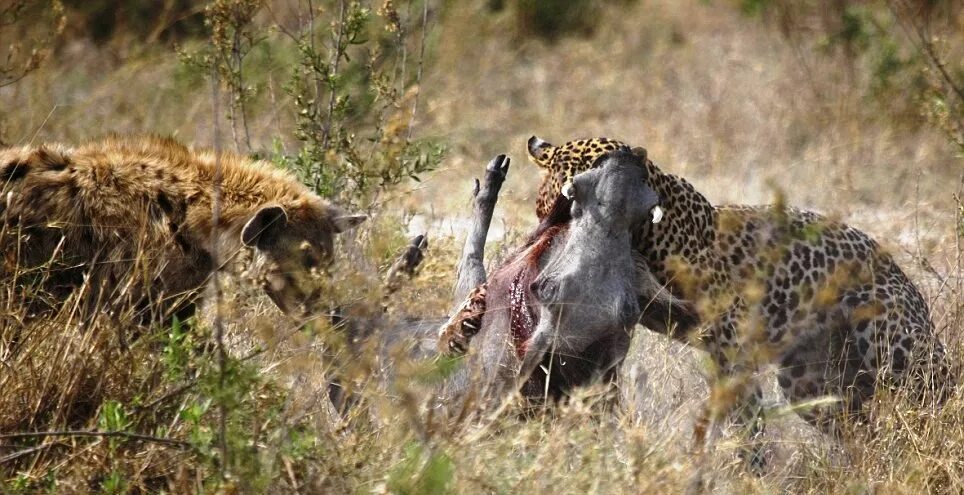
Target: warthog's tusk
{"x":657,"y":214}
{"x":567,"y":190}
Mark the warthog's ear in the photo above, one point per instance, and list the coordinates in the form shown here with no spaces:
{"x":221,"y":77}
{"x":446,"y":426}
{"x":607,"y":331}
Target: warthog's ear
{"x":265,"y":226}
{"x":540,"y":151}
{"x":344,"y":223}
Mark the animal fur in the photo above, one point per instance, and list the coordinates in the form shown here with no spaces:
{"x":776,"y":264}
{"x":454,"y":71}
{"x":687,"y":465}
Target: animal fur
{"x":130,"y":217}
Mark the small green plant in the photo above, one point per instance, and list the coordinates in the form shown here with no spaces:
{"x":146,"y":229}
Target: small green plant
{"x":200,"y":435}
{"x":754,"y":7}
{"x":25,"y":484}
{"x":113,"y":417}
{"x":114,"y":484}
{"x":352,"y":89}
{"x":180,"y":345}
{"x":421,"y":471}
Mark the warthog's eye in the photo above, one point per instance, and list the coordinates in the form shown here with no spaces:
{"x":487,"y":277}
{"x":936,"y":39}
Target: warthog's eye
{"x":544,"y":289}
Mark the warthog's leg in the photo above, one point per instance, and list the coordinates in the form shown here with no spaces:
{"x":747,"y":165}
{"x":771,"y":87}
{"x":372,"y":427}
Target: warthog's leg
{"x":407,"y":263}
{"x":404,"y":267}
{"x":471,"y":270}
{"x":469,"y":292}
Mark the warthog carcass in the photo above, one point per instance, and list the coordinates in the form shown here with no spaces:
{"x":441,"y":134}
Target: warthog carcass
{"x":567,"y":300}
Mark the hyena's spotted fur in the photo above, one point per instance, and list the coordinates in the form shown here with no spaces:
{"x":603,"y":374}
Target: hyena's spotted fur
{"x":130,"y":220}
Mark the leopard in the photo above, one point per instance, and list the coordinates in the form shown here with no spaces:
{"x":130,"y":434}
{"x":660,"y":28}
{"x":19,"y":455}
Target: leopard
{"x":771,"y":285}
{"x":778,"y":285}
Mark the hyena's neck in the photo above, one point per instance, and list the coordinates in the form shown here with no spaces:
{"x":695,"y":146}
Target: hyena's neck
{"x":245,"y":188}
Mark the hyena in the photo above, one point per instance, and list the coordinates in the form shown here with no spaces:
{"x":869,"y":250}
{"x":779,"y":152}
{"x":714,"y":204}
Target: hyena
{"x":127,"y":220}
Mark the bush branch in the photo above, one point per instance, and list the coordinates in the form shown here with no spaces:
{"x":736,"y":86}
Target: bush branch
{"x":99,"y":434}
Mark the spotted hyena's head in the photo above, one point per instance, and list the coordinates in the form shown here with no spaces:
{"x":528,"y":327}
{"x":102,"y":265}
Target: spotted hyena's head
{"x":293,"y":248}
{"x":564,"y":162}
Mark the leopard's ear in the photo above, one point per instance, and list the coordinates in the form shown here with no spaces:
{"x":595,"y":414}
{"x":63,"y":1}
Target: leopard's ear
{"x":641,"y":153}
{"x":540,"y":152}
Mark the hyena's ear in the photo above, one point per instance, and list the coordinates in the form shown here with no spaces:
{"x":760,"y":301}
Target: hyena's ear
{"x":345,"y":222}
{"x":265,"y":226}
{"x":540,"y":152}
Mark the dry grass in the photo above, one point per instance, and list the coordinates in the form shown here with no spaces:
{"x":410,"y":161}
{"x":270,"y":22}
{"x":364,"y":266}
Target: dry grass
{"x":716,"y":98}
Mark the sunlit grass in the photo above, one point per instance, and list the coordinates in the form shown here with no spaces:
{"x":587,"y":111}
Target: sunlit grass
{"x":713,"y":97}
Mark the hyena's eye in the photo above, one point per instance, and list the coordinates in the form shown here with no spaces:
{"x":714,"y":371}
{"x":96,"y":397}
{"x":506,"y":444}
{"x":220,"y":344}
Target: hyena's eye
{"x":309,"y":260}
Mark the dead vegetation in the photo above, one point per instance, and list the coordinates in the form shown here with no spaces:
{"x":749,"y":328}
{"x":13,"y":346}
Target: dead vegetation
{"x":731,"y":102}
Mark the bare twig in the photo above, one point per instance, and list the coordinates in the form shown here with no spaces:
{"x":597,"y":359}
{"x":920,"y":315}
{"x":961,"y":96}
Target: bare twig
{"x":14,"y":68}
{"x":418,"y":74}
{"x":919,"y":33}
{"x":101,"y":434}
{"x":163,"y":21}
{"x":20,"y":453}
{"x":336,"y":58}
{"x":42,"y":124}
{"x":236,"y":52}
{"x":216,"y":280}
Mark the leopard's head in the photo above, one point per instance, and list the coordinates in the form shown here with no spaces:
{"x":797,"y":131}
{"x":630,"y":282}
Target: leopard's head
{"x":564,"y":162}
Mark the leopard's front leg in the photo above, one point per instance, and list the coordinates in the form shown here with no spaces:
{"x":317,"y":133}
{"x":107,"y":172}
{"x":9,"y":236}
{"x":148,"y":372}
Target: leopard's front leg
{"x":735,"y":391}
{"x":734,"y":336}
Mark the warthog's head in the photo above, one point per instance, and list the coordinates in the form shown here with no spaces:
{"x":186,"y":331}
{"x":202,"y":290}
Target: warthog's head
{"x":293,"y":247}
{"x":589,"y":292}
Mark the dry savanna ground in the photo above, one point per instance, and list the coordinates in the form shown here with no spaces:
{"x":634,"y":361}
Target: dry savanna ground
{"x":716,"y":95}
